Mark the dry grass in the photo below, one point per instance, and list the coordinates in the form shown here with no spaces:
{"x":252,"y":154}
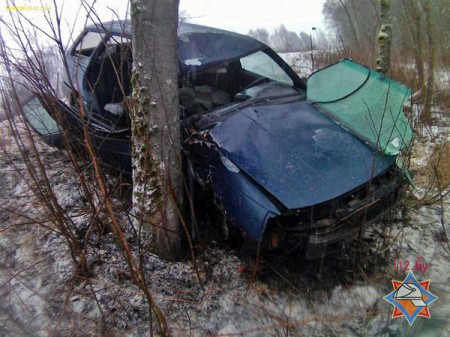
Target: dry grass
{"x":439,"y":164}
{"x":322,"y":59}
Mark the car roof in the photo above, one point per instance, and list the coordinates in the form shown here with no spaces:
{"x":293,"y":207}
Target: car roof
{"x":124,"y":27}
{"x":199,"y":46}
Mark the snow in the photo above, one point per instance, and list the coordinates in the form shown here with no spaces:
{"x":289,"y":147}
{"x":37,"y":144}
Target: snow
{"x":443,"y":78}
{"x":40,"y":296}
{"x":300,"y":62}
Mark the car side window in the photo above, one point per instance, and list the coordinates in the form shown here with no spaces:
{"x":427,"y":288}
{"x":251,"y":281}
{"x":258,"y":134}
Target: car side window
{"x":262,"y":64}
{"x":88,"y":43}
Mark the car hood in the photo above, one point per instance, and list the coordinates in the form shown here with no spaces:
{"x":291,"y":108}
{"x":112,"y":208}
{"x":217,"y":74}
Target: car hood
{"x":296,"y":153}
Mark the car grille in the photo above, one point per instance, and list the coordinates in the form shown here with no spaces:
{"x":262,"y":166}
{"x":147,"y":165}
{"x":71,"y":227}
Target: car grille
{"x":319,"y":227}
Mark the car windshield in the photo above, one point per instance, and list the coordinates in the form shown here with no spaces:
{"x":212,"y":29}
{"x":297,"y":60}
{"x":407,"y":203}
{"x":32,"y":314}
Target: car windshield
{"x":367,"y":103}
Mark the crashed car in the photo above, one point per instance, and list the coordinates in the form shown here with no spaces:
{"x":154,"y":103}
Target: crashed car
{"x":287,"y":163}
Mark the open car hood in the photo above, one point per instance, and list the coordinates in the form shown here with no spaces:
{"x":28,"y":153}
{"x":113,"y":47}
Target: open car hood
{"x":297,"y":154}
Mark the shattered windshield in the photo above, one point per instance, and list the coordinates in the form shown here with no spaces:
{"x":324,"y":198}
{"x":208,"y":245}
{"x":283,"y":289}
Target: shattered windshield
{"x":367,"y":103}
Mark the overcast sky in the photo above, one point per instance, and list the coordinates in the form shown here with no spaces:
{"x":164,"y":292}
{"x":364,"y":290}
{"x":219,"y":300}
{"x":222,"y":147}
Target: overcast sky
{"x":242,"y":15}
{"x":235,"y":15}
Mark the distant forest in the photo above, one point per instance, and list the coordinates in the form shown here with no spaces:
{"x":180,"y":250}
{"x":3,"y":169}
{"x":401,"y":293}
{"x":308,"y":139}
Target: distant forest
{"x":354,"y":24}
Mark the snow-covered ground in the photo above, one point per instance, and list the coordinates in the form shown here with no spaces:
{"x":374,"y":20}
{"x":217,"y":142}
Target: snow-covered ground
{"x":39,"y":296}
{"x":303,"y":63}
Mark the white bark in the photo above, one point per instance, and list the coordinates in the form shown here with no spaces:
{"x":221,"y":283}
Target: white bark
{"x":155,"y":123}
{"x":384,"y":37}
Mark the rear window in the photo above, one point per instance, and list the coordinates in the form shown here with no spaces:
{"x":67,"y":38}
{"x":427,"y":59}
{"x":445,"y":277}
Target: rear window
{"x":364,"y":102}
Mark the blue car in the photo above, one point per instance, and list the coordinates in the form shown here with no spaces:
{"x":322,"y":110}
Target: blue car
{"x":287,"y":164}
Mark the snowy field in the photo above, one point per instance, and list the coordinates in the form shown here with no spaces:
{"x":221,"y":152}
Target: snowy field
{"x":39,"y":297}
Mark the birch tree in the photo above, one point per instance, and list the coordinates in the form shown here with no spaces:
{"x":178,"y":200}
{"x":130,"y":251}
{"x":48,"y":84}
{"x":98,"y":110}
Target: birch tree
{"x":155,"y":124}
{"x":384,"y":37}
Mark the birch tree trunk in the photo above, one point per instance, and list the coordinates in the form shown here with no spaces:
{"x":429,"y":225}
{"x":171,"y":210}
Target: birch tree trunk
{"x":157,"y":182}
{"x":384,"y":37}
{"x":431,"y":58}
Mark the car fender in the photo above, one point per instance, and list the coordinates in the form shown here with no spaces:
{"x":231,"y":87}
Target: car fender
{"x":244,"y":203}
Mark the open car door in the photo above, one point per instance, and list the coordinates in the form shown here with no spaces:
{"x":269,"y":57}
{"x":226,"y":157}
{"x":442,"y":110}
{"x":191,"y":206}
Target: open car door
{"x":41,"y":121}
{"x":50,"y":116}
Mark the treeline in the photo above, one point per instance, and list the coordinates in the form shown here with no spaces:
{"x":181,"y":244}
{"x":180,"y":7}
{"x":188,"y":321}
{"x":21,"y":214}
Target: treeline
{"x":24,"y":70}
{"x":420,"y":30}
{"x":419,"y":52}
{"x":283,"y":40}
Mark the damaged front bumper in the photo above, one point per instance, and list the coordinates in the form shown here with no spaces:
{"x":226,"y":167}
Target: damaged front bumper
{"x":320,"y":230}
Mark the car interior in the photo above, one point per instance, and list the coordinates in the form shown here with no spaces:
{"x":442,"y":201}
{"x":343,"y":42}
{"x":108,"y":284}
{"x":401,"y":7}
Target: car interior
{"x":108,"y":78}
